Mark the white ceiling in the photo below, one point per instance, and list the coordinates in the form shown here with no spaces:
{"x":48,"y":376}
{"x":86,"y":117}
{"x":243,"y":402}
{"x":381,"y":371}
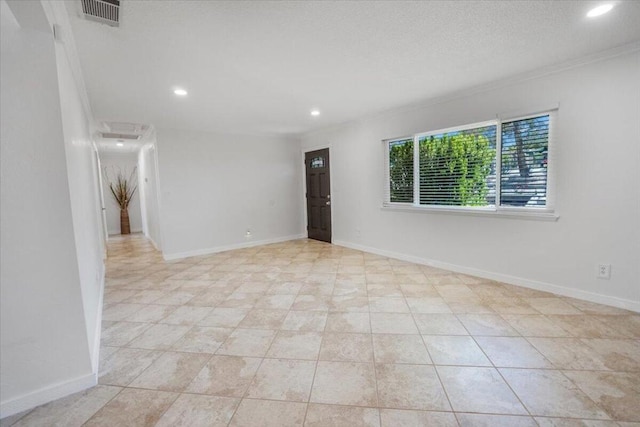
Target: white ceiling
{"x":254,"y":67}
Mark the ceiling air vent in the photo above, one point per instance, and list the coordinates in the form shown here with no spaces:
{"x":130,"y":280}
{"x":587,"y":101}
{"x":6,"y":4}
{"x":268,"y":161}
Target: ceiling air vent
{"x":104,"y":11}
{"x":123,"y":130}
{"x":111,"y":135}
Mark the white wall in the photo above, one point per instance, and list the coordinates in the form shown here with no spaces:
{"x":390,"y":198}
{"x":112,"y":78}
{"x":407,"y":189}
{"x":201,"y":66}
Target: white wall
{"x":112,"y":163}
{"x":148,"y":187}
{"x":44,"y":343}
{"x":598,"y":187}
{"x":214,"y":187}
{"x":82,"y":170}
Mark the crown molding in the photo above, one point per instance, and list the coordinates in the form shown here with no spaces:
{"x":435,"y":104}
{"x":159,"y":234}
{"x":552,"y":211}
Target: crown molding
{"x":494,"y":85}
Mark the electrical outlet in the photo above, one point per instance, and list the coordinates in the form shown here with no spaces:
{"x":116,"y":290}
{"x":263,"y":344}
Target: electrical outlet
{"x":604,"y":271}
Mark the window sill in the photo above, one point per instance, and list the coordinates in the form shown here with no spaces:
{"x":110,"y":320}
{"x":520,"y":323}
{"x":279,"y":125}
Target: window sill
{"x":514,"y":213}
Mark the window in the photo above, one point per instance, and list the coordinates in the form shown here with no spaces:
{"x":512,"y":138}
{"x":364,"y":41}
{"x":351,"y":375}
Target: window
{"x":317,"y":162}
{"x":401,"y":171}
{"x":490,"y":166}
{"x":458,"y":168}
{"x":524,"y":159}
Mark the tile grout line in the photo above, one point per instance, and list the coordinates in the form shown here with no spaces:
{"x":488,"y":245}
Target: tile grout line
{"x":435,"y":369}
{"x":315,"y":370}
{"x":373,"y":350}
{"x":493,"y":365}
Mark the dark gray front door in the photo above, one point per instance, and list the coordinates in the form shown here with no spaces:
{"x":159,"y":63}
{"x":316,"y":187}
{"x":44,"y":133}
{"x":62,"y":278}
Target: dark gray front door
{"x":318,"y":195}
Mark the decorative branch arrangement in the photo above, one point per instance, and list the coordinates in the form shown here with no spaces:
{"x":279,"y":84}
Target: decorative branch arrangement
{"x":123,"y":188}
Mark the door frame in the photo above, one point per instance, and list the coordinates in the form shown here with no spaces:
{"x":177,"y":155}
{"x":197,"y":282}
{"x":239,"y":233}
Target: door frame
{"x":305,"y":218}
{"x":104,"y":237}
{"x":151,"y":145}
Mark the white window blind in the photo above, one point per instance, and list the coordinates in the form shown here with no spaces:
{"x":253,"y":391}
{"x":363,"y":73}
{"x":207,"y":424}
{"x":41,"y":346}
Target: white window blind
{"x":458,"y":168}
{"x":524,"y":161}
{"x":400,"y":171}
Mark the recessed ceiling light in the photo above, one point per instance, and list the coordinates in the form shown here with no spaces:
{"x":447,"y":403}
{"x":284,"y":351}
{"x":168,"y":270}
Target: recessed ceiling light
{"x":180,"y":92}
{"x":120,"y":144}
{"x":315,"y":112}
{"x":600,"y":10}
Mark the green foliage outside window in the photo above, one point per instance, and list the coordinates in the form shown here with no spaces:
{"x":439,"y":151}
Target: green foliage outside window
{"x":455,"y":167}
{"x":401,"y":171}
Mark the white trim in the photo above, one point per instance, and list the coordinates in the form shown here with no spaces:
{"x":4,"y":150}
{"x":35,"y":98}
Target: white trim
{"x":47,"y":394}
{"x":305,"y":218}
{"x":551,"y":160}
{"x":505,"y":278}
{"x":490,"y":211}
{"x":158,"y":195}
{"x":528,"y":113}
{"x":150,"y":150}
{"x":497,"y":200}
{"x":142,"y":193}
{"x":470,"y":126}
{"x":207,"y":251}
{"x":104,"y":235}
{"x":153,"y":242}
{"x":386,"y":186}
{"x":95,"y":354}
{"x":399,"y":139}
{"x":57,"y":15}
{"x":416,"y":172}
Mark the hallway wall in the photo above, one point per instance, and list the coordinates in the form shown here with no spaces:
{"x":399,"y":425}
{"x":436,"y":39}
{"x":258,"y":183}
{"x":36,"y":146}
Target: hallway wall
{"x":82,"y":172}
{"x":45,"y":348}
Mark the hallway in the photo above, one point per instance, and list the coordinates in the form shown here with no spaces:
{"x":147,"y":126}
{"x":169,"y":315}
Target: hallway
{"x":308,"y":333}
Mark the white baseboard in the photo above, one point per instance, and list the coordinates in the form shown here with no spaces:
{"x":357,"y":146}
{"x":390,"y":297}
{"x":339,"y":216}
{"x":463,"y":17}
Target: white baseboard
{"x":46,"y":394}
{"x":153,"y":242}
{"x":512,"y":280}
{"x":249,"y":244}
{"x":57,"y":391}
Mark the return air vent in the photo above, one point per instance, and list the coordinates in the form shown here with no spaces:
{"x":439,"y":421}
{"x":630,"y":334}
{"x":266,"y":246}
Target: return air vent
{"x":123,"y":130}
{"x":124,"y":127}
{"x":111,"y":135}
{"x":104,"y":11}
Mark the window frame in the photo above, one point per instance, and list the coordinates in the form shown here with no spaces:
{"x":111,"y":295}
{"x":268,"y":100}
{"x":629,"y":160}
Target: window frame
{"x":545,"y":213}
{"x":387,"y":191}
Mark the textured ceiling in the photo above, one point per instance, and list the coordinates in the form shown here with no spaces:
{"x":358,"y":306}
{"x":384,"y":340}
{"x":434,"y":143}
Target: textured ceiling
{"x":254,"y":67}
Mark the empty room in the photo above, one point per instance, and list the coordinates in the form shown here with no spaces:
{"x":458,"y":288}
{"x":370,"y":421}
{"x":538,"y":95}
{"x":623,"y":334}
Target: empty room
{"x":320,"y":213}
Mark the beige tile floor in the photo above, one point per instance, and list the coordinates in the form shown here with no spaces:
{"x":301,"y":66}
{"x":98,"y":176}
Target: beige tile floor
{"x":306,"y":333}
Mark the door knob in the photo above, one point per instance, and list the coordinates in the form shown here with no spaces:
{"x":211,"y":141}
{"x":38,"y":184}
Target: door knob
{"x":328,"y":203}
